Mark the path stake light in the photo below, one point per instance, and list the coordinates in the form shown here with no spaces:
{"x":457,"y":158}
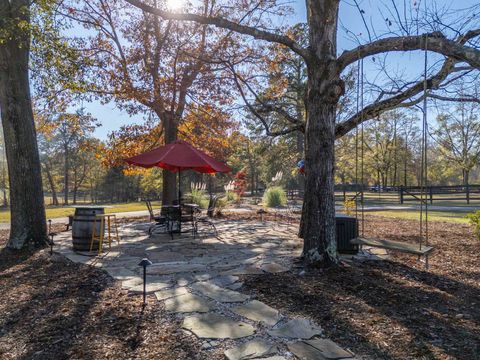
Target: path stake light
{"x":50,"y":236}
{"x":144,"y":263}
{"x":262,"y":212}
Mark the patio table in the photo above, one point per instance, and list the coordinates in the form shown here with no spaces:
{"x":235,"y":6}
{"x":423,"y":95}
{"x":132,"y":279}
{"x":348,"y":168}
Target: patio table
{"x":175,"y":212}
{"x":192,"y":206}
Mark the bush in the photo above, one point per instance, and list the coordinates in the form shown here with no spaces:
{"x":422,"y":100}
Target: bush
{"x":275,"y":196}
{"x":474,"y":219}
{"x":230,"y":197}
{"x":221,"y":205}
{"x":198,"y":197}
{"x":349,"y":206}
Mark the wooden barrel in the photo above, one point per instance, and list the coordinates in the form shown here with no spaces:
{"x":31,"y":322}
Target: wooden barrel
{"x":82,"y":227}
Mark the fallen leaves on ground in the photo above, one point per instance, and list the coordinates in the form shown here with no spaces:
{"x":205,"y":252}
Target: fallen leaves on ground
{"x":51,"y":308}
{"x":392,"y":309}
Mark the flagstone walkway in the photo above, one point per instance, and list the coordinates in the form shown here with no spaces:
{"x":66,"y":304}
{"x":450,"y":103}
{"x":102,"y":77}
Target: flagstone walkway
{"x":199,"y":281}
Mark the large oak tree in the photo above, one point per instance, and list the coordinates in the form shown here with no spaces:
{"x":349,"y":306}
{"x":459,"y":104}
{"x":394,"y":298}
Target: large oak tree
{"x":325,"y":87}
{"x":28,"y":224}
{"x":145,"y":64}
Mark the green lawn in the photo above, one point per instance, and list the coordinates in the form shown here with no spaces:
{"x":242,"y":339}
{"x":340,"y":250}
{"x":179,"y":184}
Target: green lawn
{"x":63,"y":211}
{"x":391,"y":198}
{"x":449,"y":216}
{"x":454,"y":217}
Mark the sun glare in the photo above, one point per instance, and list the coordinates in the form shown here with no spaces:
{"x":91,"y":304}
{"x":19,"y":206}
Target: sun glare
{"x":175,"y":4}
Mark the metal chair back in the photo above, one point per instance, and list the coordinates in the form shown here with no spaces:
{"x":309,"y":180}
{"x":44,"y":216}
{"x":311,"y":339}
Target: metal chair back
{"x":212,"y":205}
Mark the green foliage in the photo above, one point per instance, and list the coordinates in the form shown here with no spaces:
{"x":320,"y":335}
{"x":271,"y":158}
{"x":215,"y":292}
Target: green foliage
{"x":221,"y":205}
{"x":198,"y":197}
{"x":230,"y":197}
{"x":151,"y":184}
{"x":275,"y":196}
{"x":474,"y":220}
{"x":349,"y":206}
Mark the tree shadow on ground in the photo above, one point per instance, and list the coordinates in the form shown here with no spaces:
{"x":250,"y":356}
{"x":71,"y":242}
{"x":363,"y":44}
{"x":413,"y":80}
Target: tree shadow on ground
{"x":51,"y":308}
{"x":382,"y":309}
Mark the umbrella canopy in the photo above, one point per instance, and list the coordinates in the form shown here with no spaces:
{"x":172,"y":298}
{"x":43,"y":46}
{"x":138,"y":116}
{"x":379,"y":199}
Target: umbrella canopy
{"x":178,"y":156}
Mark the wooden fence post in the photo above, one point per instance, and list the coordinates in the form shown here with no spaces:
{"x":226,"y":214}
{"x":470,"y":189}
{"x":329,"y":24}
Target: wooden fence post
{"x":401,"y":194}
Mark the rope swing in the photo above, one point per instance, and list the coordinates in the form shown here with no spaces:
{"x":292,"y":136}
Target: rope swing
{"x":422,"y":248}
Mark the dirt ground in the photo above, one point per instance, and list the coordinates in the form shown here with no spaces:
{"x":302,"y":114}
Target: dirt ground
{"x":51,"y":308}
{"x":392,"y":309}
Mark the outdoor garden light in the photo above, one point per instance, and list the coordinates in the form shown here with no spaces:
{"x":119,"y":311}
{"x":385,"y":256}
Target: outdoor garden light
{"x":262,"y":212}
{"x":51,"y":235}
{"x":144,"y":263}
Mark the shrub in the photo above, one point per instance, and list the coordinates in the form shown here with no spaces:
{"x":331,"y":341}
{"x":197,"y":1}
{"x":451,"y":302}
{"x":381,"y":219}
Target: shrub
{"x":474,"y":219}
{"x":198,"y":197}
{"x":220,"y":205}
{"x":230,"y":197}
{"x":275,"y":196}
{"x":349,"y":206}
{"x":240,"y":185}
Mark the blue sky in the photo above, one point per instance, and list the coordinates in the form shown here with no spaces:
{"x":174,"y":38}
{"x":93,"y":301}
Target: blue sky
{"x":409,"y":63}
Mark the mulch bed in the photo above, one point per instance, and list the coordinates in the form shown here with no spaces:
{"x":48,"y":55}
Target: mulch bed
{"x":51,"y":308}
{"x":392,"y":309}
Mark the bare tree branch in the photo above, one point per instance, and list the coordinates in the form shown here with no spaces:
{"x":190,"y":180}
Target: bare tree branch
{"x":227,"y":24}
{"x":373,"y":110}
{"x":435,"y":42}
{"x":455,"y":99}
{"x":257,"y":114}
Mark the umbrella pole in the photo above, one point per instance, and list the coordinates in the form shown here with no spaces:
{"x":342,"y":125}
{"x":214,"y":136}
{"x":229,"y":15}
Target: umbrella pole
{"x":179,"y":192}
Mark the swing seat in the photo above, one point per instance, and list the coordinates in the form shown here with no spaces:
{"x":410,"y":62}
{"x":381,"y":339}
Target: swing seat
{"x":424,"y":250}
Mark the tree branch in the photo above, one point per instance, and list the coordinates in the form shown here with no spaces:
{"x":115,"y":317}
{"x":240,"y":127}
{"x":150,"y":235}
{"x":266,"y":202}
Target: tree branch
{"x":374,"y":110}
{"x":435,"y":42}
{"x":461,"y":99}
{"x":258,"y":115}
{"x":230,"y":25}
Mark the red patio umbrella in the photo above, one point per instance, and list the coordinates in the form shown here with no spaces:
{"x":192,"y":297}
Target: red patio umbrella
{"x":178,"y":156}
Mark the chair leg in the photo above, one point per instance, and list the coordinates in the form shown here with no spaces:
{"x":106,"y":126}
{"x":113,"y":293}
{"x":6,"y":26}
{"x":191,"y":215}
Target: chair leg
{"x":109,"y":235}
{"x":214,"y":229}
{"x":171,"y":230}
{"x":102,"y":235}
{"x":93,"y":234}
{"x":116,"y":229}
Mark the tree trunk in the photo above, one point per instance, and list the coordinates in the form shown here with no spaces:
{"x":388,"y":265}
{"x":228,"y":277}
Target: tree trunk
{"x":252,"y":181}
{"x":75,"y":185}
{"x":66,"y":170}
{"x":395,"y":158}
{"x":300,"y":139}
{"x":52,"y":185}
{"x":28,"y":222}
{"x":466,"y":176}
{"x":324,"y":89}
{"x":4,"y":185}
{"x":301,"y":153}
{"x":169,"y":193}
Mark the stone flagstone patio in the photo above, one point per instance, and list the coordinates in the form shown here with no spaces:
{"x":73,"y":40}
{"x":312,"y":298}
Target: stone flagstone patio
{"x":199,"y":281}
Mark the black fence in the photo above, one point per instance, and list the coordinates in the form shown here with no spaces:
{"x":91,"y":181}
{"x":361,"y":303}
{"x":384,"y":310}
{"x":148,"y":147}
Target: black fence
{"x":439,"y":193}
